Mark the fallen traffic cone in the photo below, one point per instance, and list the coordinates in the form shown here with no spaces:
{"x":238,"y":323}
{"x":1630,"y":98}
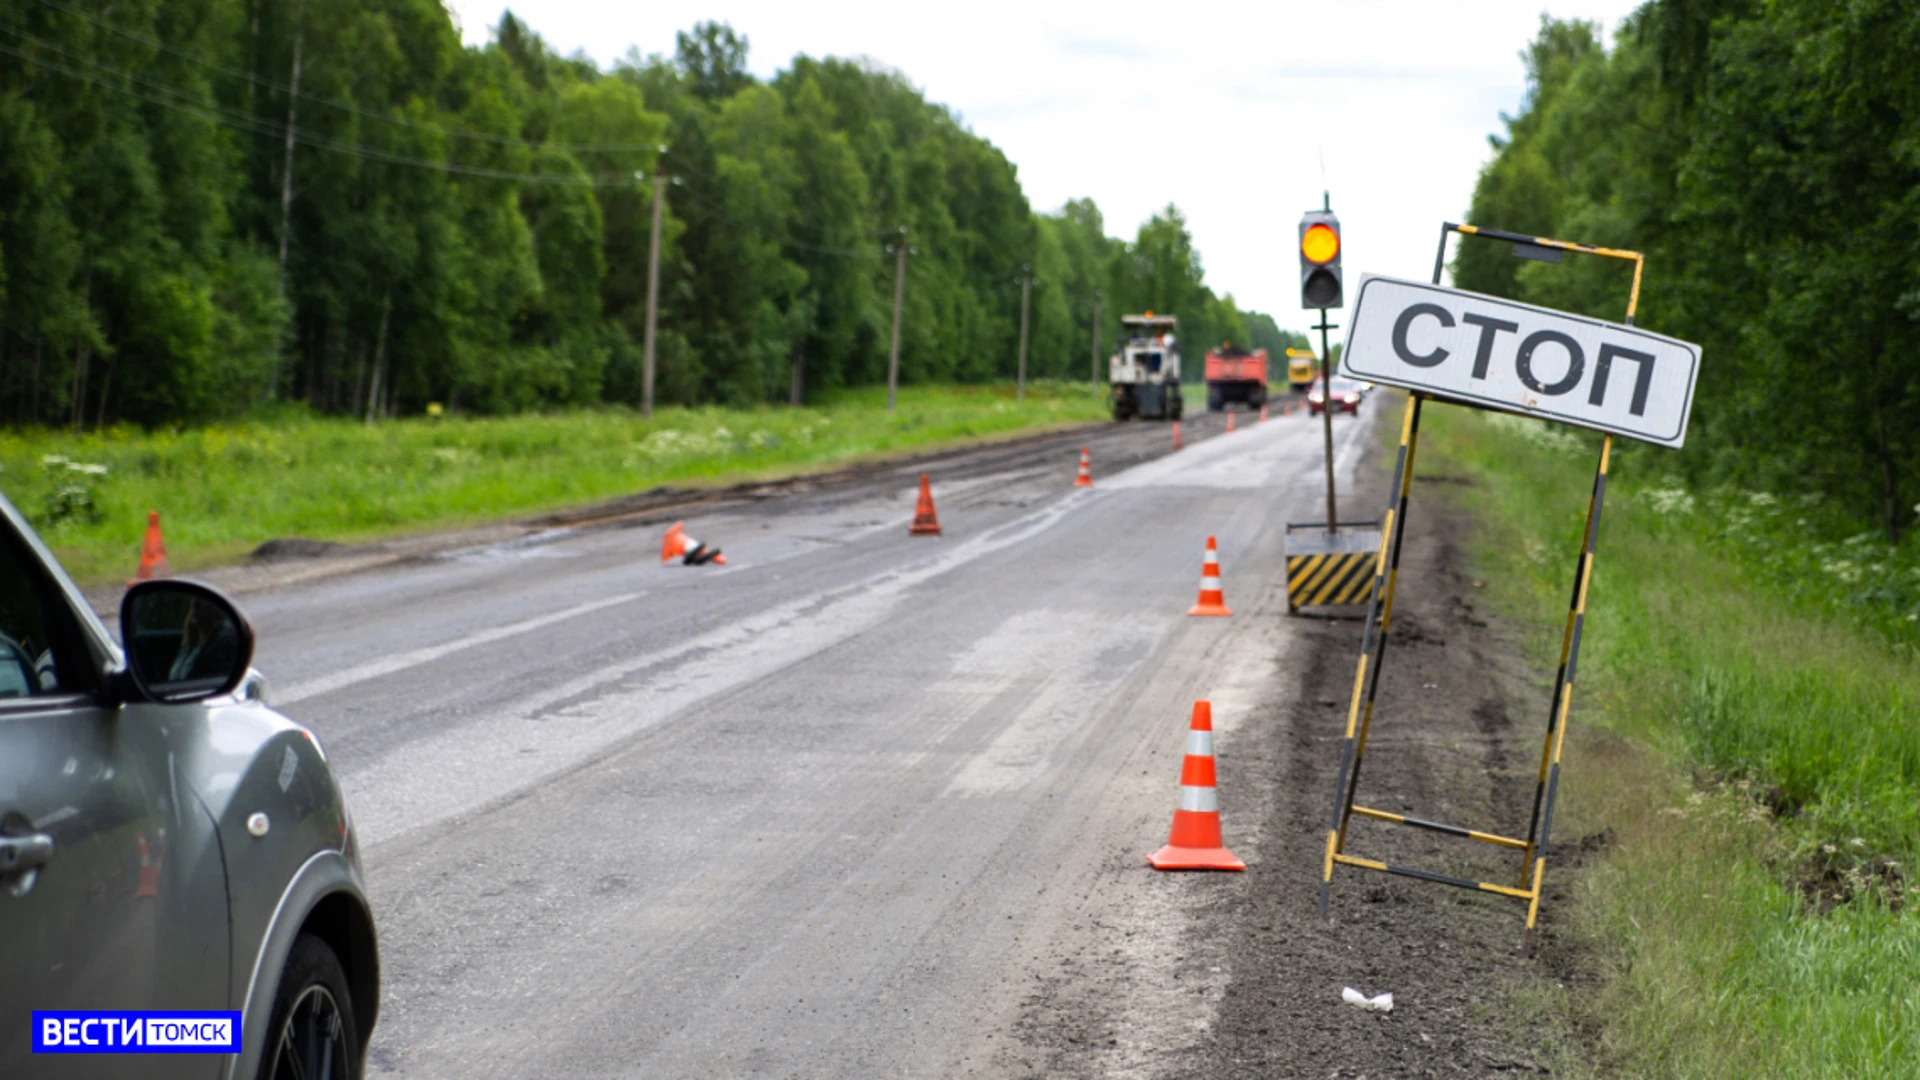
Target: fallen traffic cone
{"x":1229,"y":423}
{"x":1263,"y":414}
{"x":1195,"y":842}
{"x":924,"y":521}
{"x":1211,"y":601}
{"x":1085,"y":479}
{"x":153,"y":552}
{"x":691,"y":552}
{"x":1176,"y":435}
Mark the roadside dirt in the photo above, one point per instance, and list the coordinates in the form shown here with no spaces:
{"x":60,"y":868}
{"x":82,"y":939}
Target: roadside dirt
{"x":1456,"y":738}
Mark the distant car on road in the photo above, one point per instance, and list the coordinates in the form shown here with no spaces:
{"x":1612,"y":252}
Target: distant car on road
{"x":167,"y":841}
{"x":1346,"y":398}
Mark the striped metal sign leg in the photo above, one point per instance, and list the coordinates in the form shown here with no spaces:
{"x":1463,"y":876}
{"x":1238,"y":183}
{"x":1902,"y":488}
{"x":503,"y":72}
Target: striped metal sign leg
{"x":1379,"y":611}
{"x":1398,"y":526}
{"x":1549,"y":782}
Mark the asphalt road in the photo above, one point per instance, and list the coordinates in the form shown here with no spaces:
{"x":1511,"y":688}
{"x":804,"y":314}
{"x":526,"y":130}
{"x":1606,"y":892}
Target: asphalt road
{"x":831,"y":810}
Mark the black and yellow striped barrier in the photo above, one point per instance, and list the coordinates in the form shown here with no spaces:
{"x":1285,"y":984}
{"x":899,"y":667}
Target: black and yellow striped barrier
{"x":1339,"y":580}
{"x":1331,"y":569}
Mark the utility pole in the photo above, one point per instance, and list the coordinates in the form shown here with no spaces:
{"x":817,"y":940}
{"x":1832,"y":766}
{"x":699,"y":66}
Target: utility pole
{"x":899,"y":292}
{"x":1326,"y":390}
{"x":1326,"y":412}
{"x":1093,"y":370}
{"x":653,"y":285}
{"x":1026,"y":296}
{"x":286,"y":185}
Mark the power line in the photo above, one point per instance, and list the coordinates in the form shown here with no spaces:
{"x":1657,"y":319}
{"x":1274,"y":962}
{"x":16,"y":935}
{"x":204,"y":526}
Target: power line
{"x":255,"y":126}
{"x":359,"y":110}
{"x":722,"y":215}
{"x":267,"y":129}
{"x":347,"y":106}
{"x":680,"y":165}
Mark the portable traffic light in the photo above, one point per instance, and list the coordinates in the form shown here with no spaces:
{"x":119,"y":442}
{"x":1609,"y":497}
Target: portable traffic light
{"x":1320,"y":260}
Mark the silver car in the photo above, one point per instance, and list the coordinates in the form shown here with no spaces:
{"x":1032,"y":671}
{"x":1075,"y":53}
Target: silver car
{"x":167,"y":841}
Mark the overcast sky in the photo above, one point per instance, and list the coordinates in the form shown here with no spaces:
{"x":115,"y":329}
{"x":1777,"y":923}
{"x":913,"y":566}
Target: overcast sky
{"x":1227,"y":110}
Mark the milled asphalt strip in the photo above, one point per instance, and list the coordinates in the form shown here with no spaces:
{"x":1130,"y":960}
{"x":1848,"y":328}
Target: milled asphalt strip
{"x":388,"y":665}
{"x":534,"y":738}
{"x":454,"y":772}
{"x":374,"y":669}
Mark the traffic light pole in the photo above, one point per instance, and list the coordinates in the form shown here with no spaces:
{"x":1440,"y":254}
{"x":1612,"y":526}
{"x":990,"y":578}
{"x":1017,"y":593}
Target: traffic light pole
{"x":1326,"y":411}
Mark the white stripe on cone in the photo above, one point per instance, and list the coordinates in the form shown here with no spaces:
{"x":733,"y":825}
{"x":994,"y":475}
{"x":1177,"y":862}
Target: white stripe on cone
{"x":1201,"y":800}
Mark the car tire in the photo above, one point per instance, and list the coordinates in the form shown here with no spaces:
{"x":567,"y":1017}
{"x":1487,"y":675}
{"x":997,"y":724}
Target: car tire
{"x":313,"y":1034}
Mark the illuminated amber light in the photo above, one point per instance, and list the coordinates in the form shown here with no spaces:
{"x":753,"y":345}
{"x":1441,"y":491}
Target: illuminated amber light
{"x":1320,"y":244}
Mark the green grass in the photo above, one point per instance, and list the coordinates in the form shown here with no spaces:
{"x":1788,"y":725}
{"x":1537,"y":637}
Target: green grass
{"x":223,"y":490}
{"x":1746,"y":723}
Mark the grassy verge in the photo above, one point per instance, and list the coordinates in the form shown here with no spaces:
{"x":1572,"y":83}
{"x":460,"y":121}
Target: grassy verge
{"x":1746,"y":724}
{"x":223,"y":490}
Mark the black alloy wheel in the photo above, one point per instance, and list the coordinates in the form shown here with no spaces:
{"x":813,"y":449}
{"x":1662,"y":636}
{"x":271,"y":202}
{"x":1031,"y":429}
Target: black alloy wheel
{"x":313,"y":1036}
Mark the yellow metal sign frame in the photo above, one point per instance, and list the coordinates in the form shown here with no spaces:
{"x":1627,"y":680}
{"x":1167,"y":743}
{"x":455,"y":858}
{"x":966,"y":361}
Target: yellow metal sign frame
{"x":1366,"y":679}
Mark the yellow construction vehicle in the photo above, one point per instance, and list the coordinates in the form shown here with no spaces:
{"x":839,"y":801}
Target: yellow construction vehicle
{"x":1300,"y":373}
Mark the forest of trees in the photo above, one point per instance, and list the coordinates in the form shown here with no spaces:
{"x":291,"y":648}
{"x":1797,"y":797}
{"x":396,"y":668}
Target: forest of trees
{"x":207,"y":206}
{"x":1765,"y":154}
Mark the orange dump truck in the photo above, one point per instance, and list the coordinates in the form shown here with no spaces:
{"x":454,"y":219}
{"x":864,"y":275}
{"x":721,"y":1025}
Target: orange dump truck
{"x":1234,"y":374}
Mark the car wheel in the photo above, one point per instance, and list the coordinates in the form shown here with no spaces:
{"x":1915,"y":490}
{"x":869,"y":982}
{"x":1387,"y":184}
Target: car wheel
{"x":313,"y":1036}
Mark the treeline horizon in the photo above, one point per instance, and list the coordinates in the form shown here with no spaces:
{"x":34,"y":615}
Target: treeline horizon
{"x":1762,"y":154}
{"x":210,"y":207}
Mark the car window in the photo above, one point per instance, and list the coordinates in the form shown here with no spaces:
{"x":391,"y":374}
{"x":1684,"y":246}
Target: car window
{"x":29,"y":666}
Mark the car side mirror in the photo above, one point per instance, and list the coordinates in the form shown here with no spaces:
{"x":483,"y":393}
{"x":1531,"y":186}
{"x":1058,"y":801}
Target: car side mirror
{"x":184,"y":641}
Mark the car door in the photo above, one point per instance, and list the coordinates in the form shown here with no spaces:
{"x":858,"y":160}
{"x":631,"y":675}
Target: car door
{"x":112,"y":893}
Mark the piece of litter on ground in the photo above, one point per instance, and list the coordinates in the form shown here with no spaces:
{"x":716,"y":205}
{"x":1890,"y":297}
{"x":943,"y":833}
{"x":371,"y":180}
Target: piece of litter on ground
{"x":1378,"y":1003}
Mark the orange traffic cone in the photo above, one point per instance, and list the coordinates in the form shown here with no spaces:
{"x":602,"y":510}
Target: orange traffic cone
{"x":691,"y":552}
{"x":1195,"y":842}
{"x":1176,"y":435}
{"x":153,"y":552}
{"x":1211,"y":601}
{"x":1085,"y":479}
{"x":924,"y":521}
{"x":1263,"y":414}
{"x":1229,"y":423}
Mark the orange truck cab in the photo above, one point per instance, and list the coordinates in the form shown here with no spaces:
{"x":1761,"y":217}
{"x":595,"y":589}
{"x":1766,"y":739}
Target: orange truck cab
{"x":1236,"y":375}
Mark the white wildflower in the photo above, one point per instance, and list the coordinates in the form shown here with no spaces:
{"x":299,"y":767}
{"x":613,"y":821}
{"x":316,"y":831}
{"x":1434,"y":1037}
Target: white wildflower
{"x":1842,"y":569}
{"x":1670,"y":500}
